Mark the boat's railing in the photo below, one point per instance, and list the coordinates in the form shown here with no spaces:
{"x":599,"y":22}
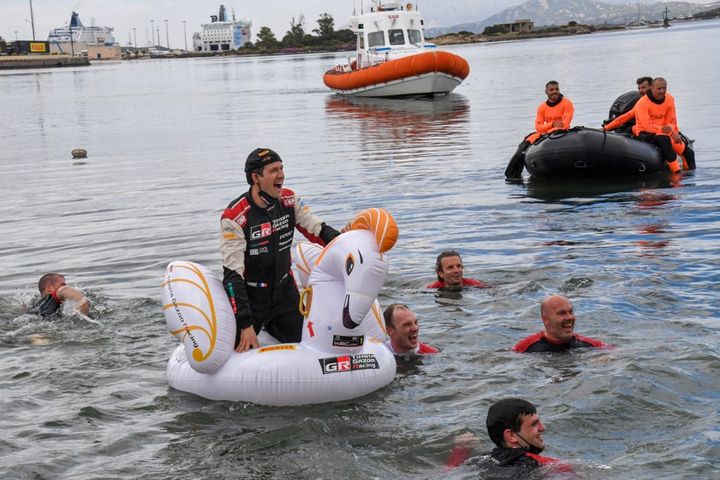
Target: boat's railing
{"x":377,"y":55}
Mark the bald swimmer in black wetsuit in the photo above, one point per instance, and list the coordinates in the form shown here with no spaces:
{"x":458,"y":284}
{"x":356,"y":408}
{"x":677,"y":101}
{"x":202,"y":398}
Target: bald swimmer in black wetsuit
{"x":559,"y":336}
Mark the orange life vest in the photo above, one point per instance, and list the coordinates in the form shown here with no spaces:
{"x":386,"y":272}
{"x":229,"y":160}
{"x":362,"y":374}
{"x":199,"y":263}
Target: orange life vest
{"x":547,"y":114}
{"x":651,"y":117}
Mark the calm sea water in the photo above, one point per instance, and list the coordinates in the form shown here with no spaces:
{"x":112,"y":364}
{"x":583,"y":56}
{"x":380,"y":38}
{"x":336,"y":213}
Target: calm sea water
{"x":167,"y":141}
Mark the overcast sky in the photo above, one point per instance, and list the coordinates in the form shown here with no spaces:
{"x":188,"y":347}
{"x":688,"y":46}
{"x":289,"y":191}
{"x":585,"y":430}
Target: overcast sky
{"x":124,"y":15}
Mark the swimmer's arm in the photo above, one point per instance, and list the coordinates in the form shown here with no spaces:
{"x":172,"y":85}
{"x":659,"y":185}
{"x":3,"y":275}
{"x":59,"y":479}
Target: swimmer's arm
{"x":82,"y":304}
{"x":462,"y":450}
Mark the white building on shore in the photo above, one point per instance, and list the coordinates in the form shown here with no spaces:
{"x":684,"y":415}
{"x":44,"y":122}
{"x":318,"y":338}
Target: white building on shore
{"x":221,"y":35}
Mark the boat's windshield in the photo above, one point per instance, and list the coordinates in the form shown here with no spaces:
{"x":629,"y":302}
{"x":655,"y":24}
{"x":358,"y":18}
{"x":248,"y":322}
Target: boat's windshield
{"x":414,"y":36}
{"x":376,"y":39}
{"x":396,"y":37}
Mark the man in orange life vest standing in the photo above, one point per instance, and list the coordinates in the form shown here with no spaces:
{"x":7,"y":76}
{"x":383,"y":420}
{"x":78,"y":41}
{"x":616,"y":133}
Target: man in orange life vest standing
{"x":656,"y":123}
{"x":257,"y":234}
{"x":554,"y":114}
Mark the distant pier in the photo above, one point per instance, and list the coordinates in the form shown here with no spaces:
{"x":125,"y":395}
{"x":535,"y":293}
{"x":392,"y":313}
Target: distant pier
{"x":41,"y":61}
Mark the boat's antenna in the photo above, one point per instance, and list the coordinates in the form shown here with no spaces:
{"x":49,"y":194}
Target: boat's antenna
{"x":361,"y":7}
{"x":354,"y":11}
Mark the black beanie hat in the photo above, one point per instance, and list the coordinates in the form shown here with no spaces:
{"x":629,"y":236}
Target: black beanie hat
{"x":258,"y":158}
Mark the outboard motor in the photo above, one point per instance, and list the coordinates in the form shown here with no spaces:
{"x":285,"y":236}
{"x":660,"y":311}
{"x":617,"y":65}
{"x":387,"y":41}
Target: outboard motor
{"x":621,"y":105}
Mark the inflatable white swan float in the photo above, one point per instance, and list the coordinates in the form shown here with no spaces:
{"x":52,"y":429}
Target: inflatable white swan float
{"x":339,"y":356}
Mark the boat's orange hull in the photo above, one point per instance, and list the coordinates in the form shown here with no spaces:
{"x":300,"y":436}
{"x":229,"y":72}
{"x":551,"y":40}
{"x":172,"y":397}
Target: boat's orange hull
{"x":399,"y":69}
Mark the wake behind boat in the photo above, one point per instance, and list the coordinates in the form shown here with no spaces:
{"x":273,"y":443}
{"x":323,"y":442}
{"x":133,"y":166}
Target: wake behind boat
{"x":393,"y":59}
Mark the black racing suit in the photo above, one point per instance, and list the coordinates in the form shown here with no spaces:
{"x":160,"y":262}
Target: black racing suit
{"x":256,"y":245}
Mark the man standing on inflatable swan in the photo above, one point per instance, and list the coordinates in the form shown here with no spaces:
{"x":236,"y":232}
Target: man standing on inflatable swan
{"x":257,"y":234}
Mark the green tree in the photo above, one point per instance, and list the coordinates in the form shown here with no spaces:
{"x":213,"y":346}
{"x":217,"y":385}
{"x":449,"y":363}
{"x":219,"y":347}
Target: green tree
{"x":295,"y":36}
{"x":266,"y":38}
{"x":326,"y":28}
{"x":310,"y":40}
{"x":493,"y":29}
{"x":345,"y":36}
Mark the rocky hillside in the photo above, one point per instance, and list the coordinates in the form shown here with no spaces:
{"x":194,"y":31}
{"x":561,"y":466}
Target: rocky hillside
{"x":591,"y":12}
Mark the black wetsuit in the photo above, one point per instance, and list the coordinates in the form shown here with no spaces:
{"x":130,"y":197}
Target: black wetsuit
{"x":47,"y":307}
{"x":538,"y":342}
{"x":510,"y":463}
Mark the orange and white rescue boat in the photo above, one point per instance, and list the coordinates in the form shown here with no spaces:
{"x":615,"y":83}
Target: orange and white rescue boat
{"x":393,"y":59}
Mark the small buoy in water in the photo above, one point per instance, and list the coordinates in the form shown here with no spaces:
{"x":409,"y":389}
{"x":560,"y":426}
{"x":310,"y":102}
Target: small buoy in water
{"x":79,"y":153}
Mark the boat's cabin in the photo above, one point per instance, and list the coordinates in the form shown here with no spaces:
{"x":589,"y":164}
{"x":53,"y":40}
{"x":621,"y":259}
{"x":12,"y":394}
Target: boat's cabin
{"x":388,"y":30}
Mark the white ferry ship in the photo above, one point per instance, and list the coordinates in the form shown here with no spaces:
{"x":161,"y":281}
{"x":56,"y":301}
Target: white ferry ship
{"x":222,"y":34}
{"x":79,"y":33}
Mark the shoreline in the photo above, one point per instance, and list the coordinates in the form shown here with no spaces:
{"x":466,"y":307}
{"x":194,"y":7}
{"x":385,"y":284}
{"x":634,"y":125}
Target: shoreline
{"x":564,"y":31}
{"x":11,"y":62}
{"x":548,"y":32}
{"x":17,"y":62}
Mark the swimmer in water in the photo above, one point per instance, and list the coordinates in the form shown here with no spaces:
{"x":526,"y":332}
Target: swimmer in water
{"x":559,"y":335}
{"x":54,"y":292}
{"x":402,"y":327}
{"x":449,"y":270}
{"x":516,"y":430}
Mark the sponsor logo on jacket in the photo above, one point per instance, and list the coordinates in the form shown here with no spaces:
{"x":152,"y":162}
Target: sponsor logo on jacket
{"x":241,"y":220}
{"x":287,"y":200}
{"x":281,"y":223}
{"x":260,"y":231}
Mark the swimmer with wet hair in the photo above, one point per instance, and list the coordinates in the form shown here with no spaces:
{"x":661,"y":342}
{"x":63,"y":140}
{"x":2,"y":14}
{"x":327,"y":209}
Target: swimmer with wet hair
{"x":54,"y":292}
{"x":449,"y":270}
{"x":516,"y":430}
